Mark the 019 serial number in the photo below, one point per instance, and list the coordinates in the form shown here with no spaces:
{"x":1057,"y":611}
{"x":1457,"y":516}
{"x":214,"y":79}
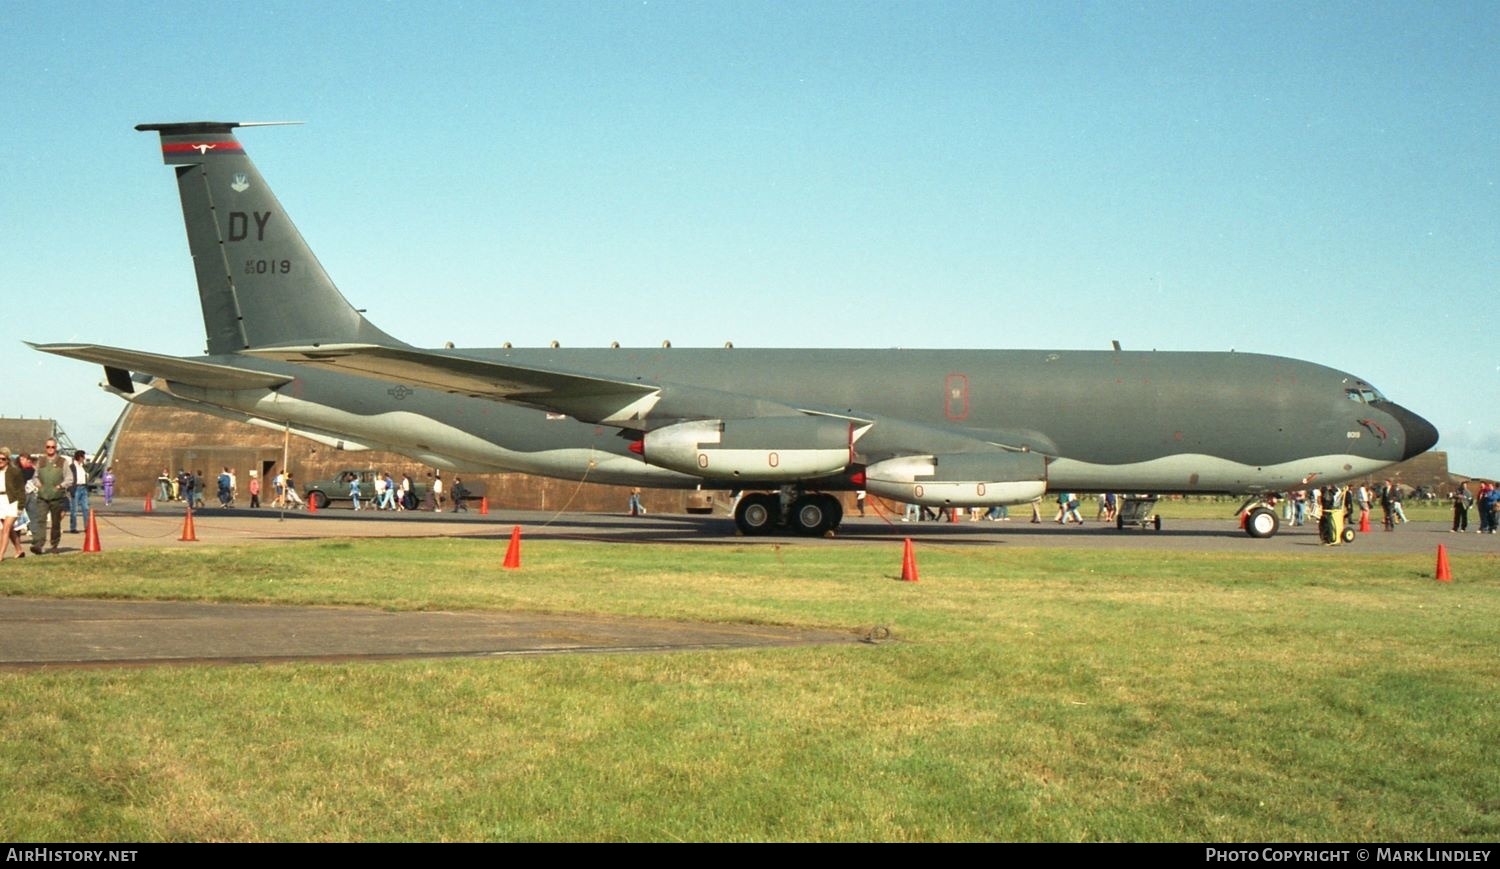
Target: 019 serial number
{"x":268,"y":266}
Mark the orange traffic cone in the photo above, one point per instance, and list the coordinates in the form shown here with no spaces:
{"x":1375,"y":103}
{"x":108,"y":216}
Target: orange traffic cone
{"x":148,"y":502}
{"x":312,"y":502}
{"x":1244,"y":517}
{"x":1443,"y":573}
{"x":189,"y":535}
{"x":513,"y":552}
{"x":484,"y":506}
{"x":952,"y":514}
{"x":91,"y":535}
{"x":1364,"y":521}
{"x":908,"y":563}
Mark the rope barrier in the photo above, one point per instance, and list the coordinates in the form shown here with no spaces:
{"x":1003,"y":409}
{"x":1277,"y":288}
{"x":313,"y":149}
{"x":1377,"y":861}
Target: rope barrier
{"x":105,"y":520}
{"x":571,"y":498}
{"x":883,"y":511}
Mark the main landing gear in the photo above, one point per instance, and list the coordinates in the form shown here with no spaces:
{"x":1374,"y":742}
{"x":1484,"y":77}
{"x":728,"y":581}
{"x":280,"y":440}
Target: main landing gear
{"x":810,"y":514}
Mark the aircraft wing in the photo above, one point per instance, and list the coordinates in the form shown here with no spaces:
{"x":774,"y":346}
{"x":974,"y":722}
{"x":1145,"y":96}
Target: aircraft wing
{"x":584,"y":396}
{"x":210,"y":375}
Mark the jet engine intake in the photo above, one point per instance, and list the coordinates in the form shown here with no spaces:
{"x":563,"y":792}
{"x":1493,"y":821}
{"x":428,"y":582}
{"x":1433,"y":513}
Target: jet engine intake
{"x":766,"y":448}
{"x":960,"y":479}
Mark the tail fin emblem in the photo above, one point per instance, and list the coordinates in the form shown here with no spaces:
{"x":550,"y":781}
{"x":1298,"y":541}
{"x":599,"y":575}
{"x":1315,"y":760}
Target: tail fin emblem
{"x":241,"y":183}
{"x":203,"y":149}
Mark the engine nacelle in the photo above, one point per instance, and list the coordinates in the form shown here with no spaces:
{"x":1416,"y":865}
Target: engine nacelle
{"x":960,"y":479}
{"x":766,"y":448}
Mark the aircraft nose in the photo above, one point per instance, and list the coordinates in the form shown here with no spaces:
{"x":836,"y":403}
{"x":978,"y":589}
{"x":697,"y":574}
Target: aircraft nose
{"x":1421,"y":435}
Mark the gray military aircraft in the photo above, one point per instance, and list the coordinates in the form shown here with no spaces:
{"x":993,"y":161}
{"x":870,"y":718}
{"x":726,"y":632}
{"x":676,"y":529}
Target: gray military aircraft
{"x":932,"y":427}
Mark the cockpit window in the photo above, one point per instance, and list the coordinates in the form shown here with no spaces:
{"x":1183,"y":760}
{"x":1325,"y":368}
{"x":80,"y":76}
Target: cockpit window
{"x":1364,"y":395}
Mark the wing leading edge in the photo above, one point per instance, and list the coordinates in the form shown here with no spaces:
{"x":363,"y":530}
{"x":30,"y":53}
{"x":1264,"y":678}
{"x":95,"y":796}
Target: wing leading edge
{"x":210,"y":375}
{"x":586,"y":397}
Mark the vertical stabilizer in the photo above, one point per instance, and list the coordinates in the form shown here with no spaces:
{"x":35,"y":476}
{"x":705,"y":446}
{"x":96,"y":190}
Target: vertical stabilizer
{"x":258,"y":282}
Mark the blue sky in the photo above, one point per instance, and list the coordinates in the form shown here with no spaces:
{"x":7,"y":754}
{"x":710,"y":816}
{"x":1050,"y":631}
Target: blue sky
{"x":1311,"y":180}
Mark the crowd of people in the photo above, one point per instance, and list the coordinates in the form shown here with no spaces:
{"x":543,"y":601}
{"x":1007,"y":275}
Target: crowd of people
{"x":1488,"y":502}
{"x":1342,"y":506}
{"x":384,"y":492}
{"x":390,"y":495}
{"x":1358,"y":500}
{"x":1299,"y":507}
{"x":35,"y":491}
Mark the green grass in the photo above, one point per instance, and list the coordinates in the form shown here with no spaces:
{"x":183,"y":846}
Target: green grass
{"x":1030,"y":694}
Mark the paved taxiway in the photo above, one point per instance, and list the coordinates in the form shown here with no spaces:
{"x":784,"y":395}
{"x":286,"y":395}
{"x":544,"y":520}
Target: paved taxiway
{"x":35,"y":632}
{"x":126,"y":525}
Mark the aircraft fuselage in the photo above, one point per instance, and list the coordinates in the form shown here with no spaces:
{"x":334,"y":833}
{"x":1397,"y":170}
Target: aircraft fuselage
{"x":1129,"y":421}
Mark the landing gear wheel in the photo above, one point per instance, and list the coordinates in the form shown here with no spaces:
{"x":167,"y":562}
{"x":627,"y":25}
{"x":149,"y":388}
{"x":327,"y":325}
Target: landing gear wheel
{"x":1349,"y":535}
{"x":835,"y":510}
{"x":1156,"y":522}
{"x":1261,"y":523}
{"x":812,"y":515}
{"x":756,"y":514}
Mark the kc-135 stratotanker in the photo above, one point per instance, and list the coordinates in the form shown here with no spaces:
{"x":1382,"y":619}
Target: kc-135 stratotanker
{"x":788,"y":426}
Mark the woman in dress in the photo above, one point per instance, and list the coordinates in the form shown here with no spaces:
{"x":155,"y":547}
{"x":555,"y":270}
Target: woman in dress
{"x":12,"y":496}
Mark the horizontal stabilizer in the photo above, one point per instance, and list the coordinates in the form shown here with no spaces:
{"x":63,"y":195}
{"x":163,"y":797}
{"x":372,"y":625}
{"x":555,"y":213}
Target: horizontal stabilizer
{"x":178,"y":129}
{"x":465,"y":375}
{"x":209,"y":375}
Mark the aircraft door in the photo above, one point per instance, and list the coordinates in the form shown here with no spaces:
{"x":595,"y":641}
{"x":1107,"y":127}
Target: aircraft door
{"x":956,"y":397}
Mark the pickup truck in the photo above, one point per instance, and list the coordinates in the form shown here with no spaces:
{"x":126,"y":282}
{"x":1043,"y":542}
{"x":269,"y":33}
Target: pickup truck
{"x":323,"y":492}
